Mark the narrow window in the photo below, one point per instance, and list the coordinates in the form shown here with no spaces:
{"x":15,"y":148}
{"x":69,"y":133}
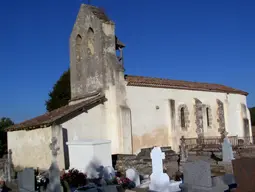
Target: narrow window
{"x":172,"y":111}
{"x":182,"y":117}
{"x":78,"y":48}
{"x":207,"y":117}
{"x":91,"y":42}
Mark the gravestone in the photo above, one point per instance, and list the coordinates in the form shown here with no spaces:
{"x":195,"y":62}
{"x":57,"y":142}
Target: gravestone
{"x":197,"y":173}
{"x":159,"y":180}
{"x":108,"y":173}
{"x":227,"y":155}
{"x":197,"y":177}
{"x":26,"y":180}
{"x":134,"y":176}
{"x":244,"y":172}
{"x":227,"y":151}
{"x":54,"y":172}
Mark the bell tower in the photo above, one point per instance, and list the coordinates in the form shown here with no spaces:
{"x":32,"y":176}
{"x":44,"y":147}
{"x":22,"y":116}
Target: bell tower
{"x":93,"y":47}
{"x":96,"y":67}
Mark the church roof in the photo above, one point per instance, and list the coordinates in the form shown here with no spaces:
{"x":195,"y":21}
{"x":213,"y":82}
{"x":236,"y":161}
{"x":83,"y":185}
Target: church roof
{"x":177,"y":84}
{"x":59,"y":115}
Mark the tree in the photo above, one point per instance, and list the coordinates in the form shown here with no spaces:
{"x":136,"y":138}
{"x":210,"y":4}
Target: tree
{"x":252,"y":111}
{"x":4,"y":123}
{"x":61,"y":92}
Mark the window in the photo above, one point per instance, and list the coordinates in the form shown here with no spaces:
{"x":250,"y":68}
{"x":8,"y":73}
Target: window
{"x":90,"y":42}
{"x":207,"y":116}
{"x":78,"y":48}
{"x":182,"y":117}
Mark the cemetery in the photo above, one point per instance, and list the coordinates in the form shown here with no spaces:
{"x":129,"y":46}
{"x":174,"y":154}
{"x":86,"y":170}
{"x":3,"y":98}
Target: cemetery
{"x":93,"y":168}
{"x":130,"y":152}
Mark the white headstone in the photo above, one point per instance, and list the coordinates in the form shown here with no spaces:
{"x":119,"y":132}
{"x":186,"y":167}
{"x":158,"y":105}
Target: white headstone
{"x":109,"y":173}
{"x":134,"y":176}
{"x":227,"y":151}
{"x":157,"y":156}
{"x":159,"y":180}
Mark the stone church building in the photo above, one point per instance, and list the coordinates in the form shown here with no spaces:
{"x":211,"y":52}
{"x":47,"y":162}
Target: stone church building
{"x":133,"y":112}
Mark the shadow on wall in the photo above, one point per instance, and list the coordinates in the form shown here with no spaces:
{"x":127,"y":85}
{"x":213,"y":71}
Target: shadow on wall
{"x":65,"y":147}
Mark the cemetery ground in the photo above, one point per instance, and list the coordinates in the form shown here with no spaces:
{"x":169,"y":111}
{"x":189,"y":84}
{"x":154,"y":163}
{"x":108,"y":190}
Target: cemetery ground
{"x":153,"y":169}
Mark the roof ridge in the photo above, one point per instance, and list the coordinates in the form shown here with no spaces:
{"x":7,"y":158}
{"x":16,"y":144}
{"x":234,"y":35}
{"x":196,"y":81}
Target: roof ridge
{"x":145,"y":81}
{"x":167,"y":79}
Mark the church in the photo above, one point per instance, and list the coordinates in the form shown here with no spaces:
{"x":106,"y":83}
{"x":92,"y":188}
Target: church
{"x":133,"y":112}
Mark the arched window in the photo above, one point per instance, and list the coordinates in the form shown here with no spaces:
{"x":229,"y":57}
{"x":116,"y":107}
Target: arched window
{"x":183,"y":114}
{"x":207,"y":116}
{"x":91,"y":40}
{"x":78,"y":48}
{"x":182,"y":117}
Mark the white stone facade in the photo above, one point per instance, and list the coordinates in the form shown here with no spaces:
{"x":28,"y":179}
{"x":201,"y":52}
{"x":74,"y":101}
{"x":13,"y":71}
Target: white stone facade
{"x":149,"y":124}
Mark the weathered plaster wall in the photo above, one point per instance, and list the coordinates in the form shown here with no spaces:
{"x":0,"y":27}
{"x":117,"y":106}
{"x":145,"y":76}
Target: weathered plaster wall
{"x":31,"y":148}
{"x":151,"y":117}
{"x":89,"y":125}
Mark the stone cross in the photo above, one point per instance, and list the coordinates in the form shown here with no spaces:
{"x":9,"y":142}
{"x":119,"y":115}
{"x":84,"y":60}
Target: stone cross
{"x":183,"y":149}
{"x":223,"y":134}
{"x":159,"y":180}
{"x":54,"y":173}
{"x":53,"y":147}
{"x":9,"y":168}
{"x":157,"y":156}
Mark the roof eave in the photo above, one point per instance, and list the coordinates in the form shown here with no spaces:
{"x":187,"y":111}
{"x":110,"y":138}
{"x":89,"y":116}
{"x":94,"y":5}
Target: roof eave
{"x":59,"y":120}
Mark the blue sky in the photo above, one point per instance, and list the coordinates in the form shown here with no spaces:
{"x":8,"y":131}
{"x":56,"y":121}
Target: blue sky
{"x":196,"y":40}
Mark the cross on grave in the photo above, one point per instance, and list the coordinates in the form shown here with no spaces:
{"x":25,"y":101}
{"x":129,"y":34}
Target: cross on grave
{"x":183,"y":149}
{"x":156,"y":157}
{"x":182,"y":140}
{"x":53,"y":147}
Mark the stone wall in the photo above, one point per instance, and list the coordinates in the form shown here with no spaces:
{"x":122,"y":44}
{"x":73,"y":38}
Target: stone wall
{"x":142,"y":161}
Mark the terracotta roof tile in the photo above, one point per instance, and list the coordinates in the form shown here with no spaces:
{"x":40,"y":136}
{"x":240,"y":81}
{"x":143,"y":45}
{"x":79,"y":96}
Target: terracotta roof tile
{"x":57,"y":115}
{"x":176,"y":84}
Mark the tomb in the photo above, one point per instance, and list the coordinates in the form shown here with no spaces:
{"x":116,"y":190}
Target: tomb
{"x":84,"y":152}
